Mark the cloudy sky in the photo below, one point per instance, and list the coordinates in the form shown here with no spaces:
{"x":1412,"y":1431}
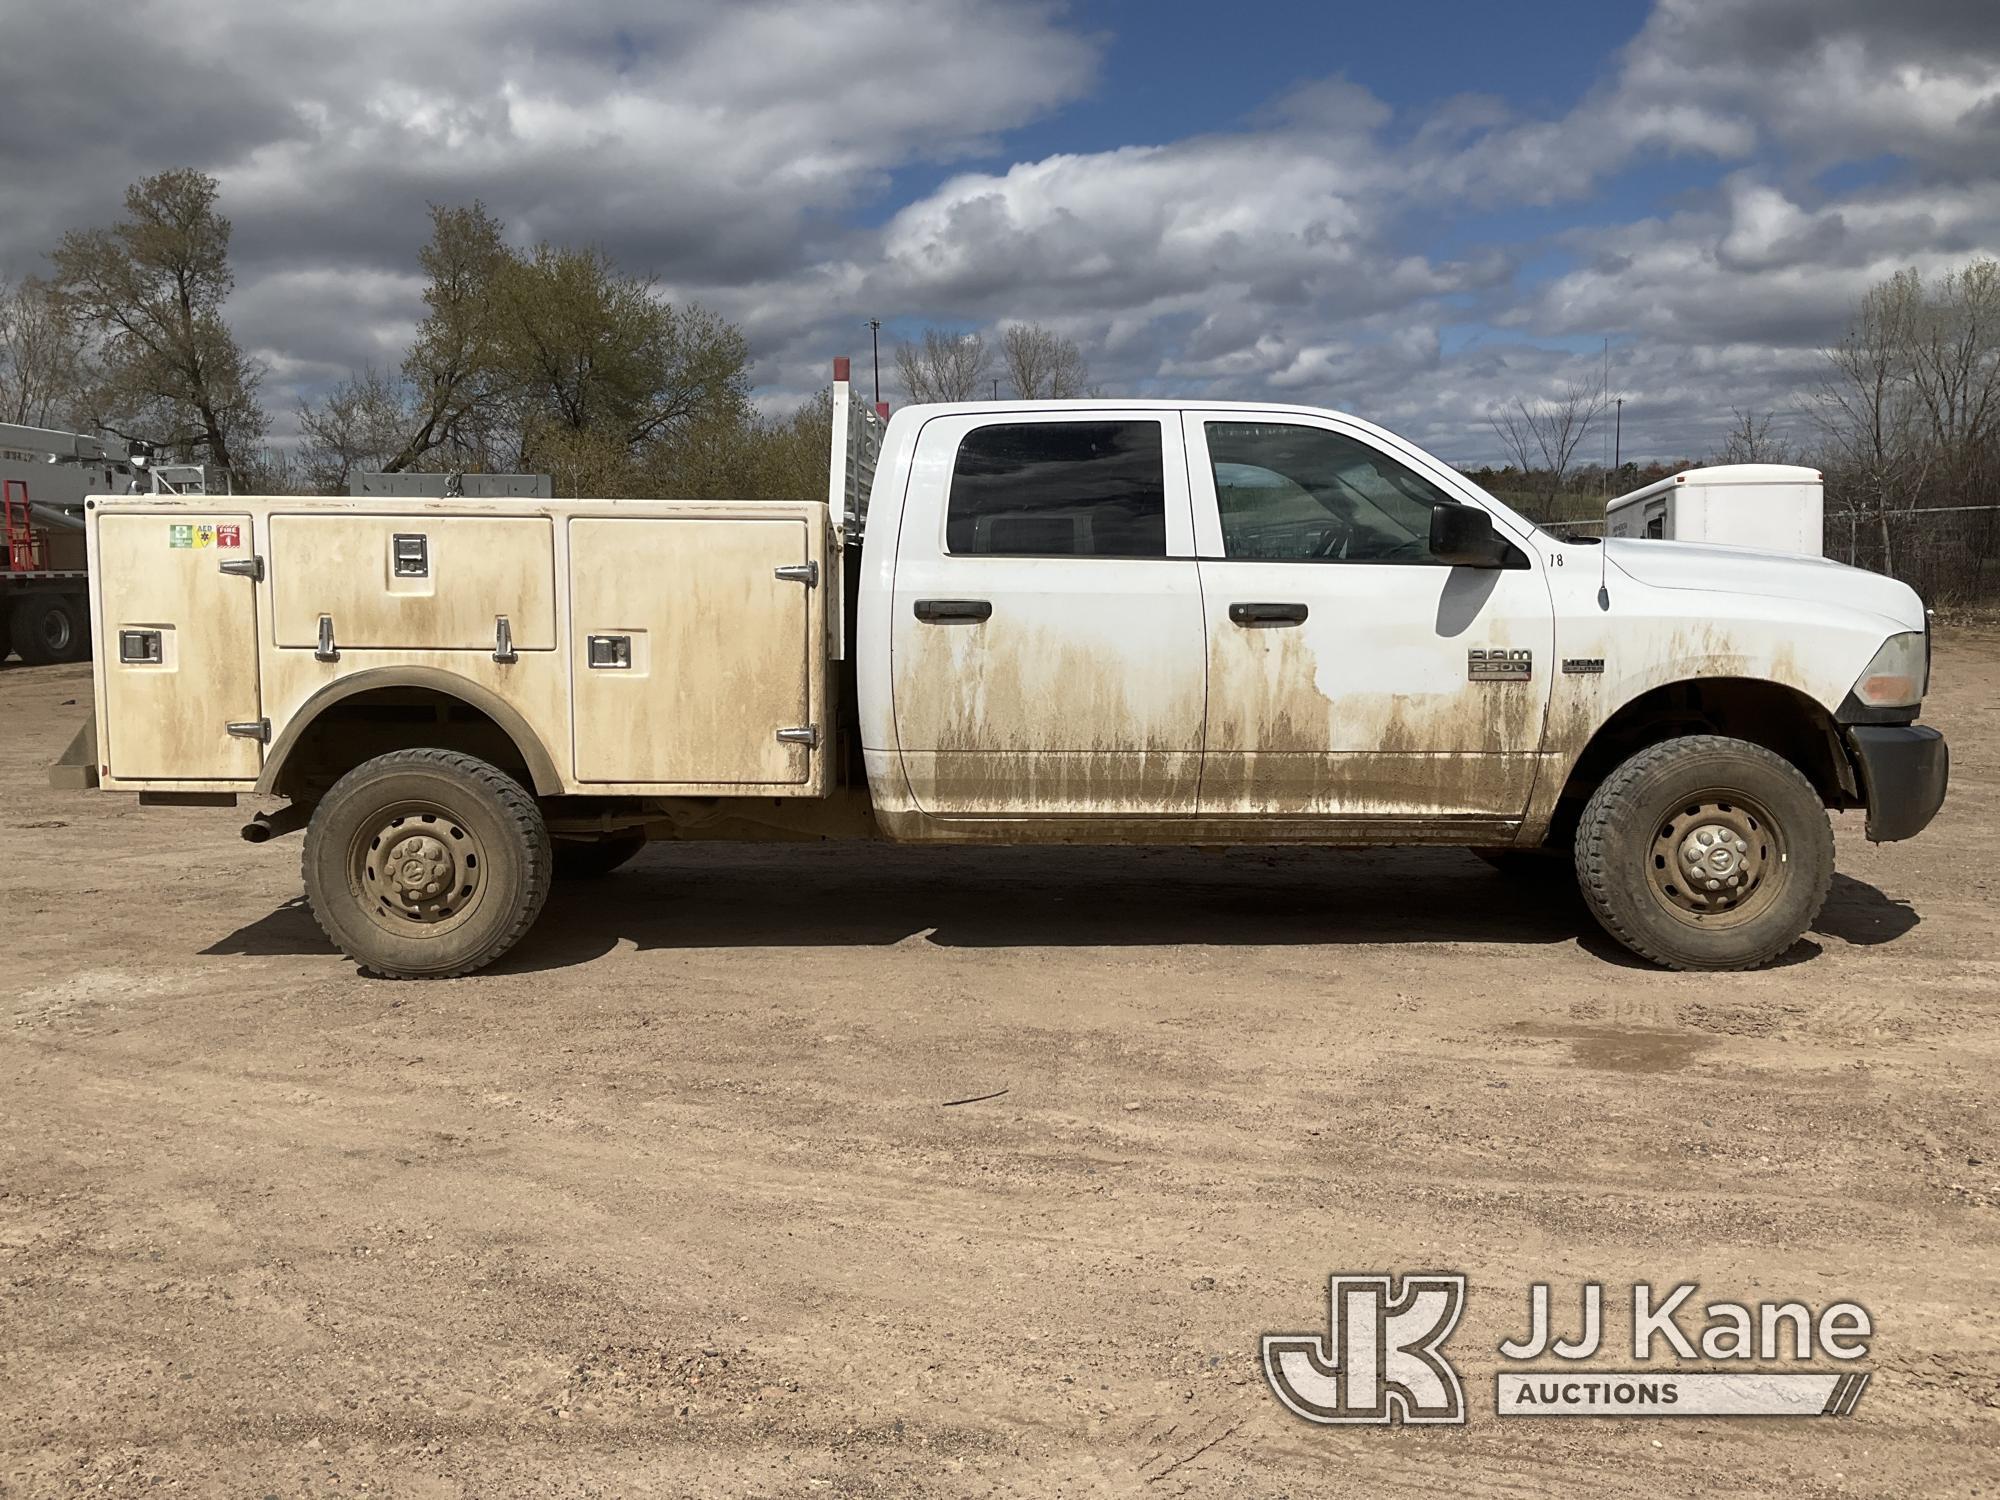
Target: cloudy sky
{"x":1414,"y":211}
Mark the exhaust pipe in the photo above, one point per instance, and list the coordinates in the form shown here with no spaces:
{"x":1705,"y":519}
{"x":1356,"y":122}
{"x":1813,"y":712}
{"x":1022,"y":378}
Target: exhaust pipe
{"x":266,"y":826}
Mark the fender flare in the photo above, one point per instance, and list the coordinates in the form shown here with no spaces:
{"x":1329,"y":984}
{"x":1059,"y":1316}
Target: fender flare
{"x":541,"y":767}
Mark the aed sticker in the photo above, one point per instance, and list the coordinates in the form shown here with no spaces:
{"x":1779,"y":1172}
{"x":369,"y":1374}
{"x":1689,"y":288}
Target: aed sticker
{"x":201,"y":534}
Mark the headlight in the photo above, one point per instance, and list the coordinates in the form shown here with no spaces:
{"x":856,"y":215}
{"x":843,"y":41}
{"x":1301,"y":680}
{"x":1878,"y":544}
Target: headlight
{"x":1899,"y":674}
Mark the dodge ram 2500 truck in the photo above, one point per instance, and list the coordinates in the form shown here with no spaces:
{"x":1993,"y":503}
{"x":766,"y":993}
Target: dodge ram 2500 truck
{"x":1109,"y":622}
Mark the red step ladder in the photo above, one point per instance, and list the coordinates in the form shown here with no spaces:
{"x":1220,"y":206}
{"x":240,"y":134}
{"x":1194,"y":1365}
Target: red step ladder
{"x":24,"y":543}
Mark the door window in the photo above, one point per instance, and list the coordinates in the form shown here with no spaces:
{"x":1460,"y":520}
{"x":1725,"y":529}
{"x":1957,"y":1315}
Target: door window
{"x":1290,"y":493}
{"x":1058,"y":489}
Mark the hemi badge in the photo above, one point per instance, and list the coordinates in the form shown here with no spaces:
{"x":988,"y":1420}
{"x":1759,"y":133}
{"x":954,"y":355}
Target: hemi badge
{"x":1583,"y":665}
{"x":1499,"y":665}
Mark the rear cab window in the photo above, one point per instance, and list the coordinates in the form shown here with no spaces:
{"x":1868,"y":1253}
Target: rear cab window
{"x":1059,"y":489}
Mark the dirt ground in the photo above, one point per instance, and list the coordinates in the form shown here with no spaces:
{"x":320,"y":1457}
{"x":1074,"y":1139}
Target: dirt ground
{"x":673,"y":1202}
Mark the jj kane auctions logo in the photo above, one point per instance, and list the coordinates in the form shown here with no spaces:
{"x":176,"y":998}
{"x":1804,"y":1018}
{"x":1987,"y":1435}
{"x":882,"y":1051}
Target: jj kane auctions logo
{"x":1382,"y":1358}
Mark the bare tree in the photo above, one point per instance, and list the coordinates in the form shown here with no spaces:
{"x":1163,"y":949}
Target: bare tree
{"x":1042,"y":365}
{"x":1751,"y":441}
{"x":1546,"y":434}
{"x":944,"y":366}
{"x":45,"y":370}
{"x":361,"y":424}
{"x":1867,"y":406}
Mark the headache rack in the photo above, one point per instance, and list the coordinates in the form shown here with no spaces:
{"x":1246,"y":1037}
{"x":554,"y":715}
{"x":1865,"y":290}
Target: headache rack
{"x":857,"y":445}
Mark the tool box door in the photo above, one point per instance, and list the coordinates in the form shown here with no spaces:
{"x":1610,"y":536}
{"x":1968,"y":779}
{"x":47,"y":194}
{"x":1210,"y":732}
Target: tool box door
{"x":177,"y":647}
{"x":691,"y":653}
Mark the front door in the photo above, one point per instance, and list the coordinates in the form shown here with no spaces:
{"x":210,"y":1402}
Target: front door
{"x":1351,"y":674}
{"x":1046,"y":646}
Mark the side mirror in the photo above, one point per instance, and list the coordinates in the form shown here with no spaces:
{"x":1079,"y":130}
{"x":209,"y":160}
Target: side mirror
{"x":1463,"y":536}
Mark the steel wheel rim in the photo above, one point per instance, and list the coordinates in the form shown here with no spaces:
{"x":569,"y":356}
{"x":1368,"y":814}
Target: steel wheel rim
{"x":1716,"y":860}
{"x":418,"y":869}
{"x":56,"y":632}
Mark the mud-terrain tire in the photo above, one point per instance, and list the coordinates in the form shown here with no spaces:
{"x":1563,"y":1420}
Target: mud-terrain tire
{"x":426,"y":864}
{"x":50,"y":628}
{"x":592,"y":859}
{"x":1705,"y":853}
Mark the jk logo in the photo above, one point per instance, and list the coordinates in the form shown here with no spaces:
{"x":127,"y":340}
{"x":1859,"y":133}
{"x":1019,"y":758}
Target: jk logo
{"x":1379,"y":1360}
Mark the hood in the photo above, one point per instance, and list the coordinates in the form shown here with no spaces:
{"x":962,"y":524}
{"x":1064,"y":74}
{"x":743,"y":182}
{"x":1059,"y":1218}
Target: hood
{"x":1774,"y":575}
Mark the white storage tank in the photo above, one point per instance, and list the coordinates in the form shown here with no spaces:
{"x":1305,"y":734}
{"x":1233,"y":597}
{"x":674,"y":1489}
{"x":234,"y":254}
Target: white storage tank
{"x":1778,"y":507}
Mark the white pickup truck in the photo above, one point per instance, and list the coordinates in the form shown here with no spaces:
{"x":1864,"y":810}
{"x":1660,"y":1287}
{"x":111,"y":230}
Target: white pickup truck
{"x":1112,"y":622}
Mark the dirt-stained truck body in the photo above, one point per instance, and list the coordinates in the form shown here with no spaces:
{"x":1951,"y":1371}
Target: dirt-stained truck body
{"x":1102,"y":622}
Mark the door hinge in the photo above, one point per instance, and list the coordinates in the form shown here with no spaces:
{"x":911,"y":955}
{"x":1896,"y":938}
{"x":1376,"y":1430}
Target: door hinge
{"x":326,"y":650}
{"x":503,"y":641}
{"x":245,"y":567}
{"x":805,"y":734}
{"x":805,"y":572}
{"x":252,"y":729}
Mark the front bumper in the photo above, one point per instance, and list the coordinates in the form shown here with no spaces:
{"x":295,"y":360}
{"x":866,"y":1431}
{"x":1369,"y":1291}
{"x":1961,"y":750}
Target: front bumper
{"x":1904,"y":769}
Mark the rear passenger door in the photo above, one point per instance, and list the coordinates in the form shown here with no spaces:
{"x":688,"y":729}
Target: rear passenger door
{"x":1046,"y":650}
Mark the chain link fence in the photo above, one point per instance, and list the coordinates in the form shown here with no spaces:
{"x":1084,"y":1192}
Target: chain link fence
{"x":1950,"y":555}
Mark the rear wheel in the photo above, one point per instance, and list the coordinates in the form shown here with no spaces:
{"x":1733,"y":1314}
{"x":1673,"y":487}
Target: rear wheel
{"x":426,"y":864}
{"x":590,"y":859}
{"x":1705,"y":853}
{"x":50,"y":628}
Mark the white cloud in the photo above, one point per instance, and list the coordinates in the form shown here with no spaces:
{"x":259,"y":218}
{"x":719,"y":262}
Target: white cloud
{"x":735,"y":151}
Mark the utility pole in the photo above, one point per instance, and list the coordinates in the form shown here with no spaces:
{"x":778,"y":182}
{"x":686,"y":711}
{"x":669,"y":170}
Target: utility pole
{"x":996,"y":387}
{"x":875,"y":339}
{"x":1618,"y":436}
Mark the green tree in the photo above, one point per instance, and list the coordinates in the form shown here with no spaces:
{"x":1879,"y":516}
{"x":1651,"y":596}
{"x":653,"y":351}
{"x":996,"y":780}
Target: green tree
{"x":151,"y":289}
{"x":454,"y":365}
{"x":588,"y":348}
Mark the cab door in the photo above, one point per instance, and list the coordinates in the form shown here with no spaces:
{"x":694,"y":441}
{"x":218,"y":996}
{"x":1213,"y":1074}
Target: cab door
{"x":1046,"y":645}
{"x":1352,"y":674}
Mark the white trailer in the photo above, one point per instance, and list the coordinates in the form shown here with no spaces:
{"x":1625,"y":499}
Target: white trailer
{"x":1776,"y":507}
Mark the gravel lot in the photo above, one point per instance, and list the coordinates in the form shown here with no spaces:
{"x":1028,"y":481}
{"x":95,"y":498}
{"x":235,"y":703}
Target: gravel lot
{"x":672,"y":1202}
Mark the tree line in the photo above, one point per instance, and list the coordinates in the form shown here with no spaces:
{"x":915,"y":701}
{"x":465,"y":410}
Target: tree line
{"x":1903,"y":424}
{"x":547,"y":360}
{"x":556,"y":360}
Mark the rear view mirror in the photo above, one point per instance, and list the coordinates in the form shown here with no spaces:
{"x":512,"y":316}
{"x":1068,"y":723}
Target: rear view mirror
{"x":1463,"y":536}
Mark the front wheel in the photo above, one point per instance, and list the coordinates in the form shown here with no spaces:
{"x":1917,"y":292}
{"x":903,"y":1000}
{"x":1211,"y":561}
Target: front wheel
{"x":1705,"y":853}
{"x":426,"y":864}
